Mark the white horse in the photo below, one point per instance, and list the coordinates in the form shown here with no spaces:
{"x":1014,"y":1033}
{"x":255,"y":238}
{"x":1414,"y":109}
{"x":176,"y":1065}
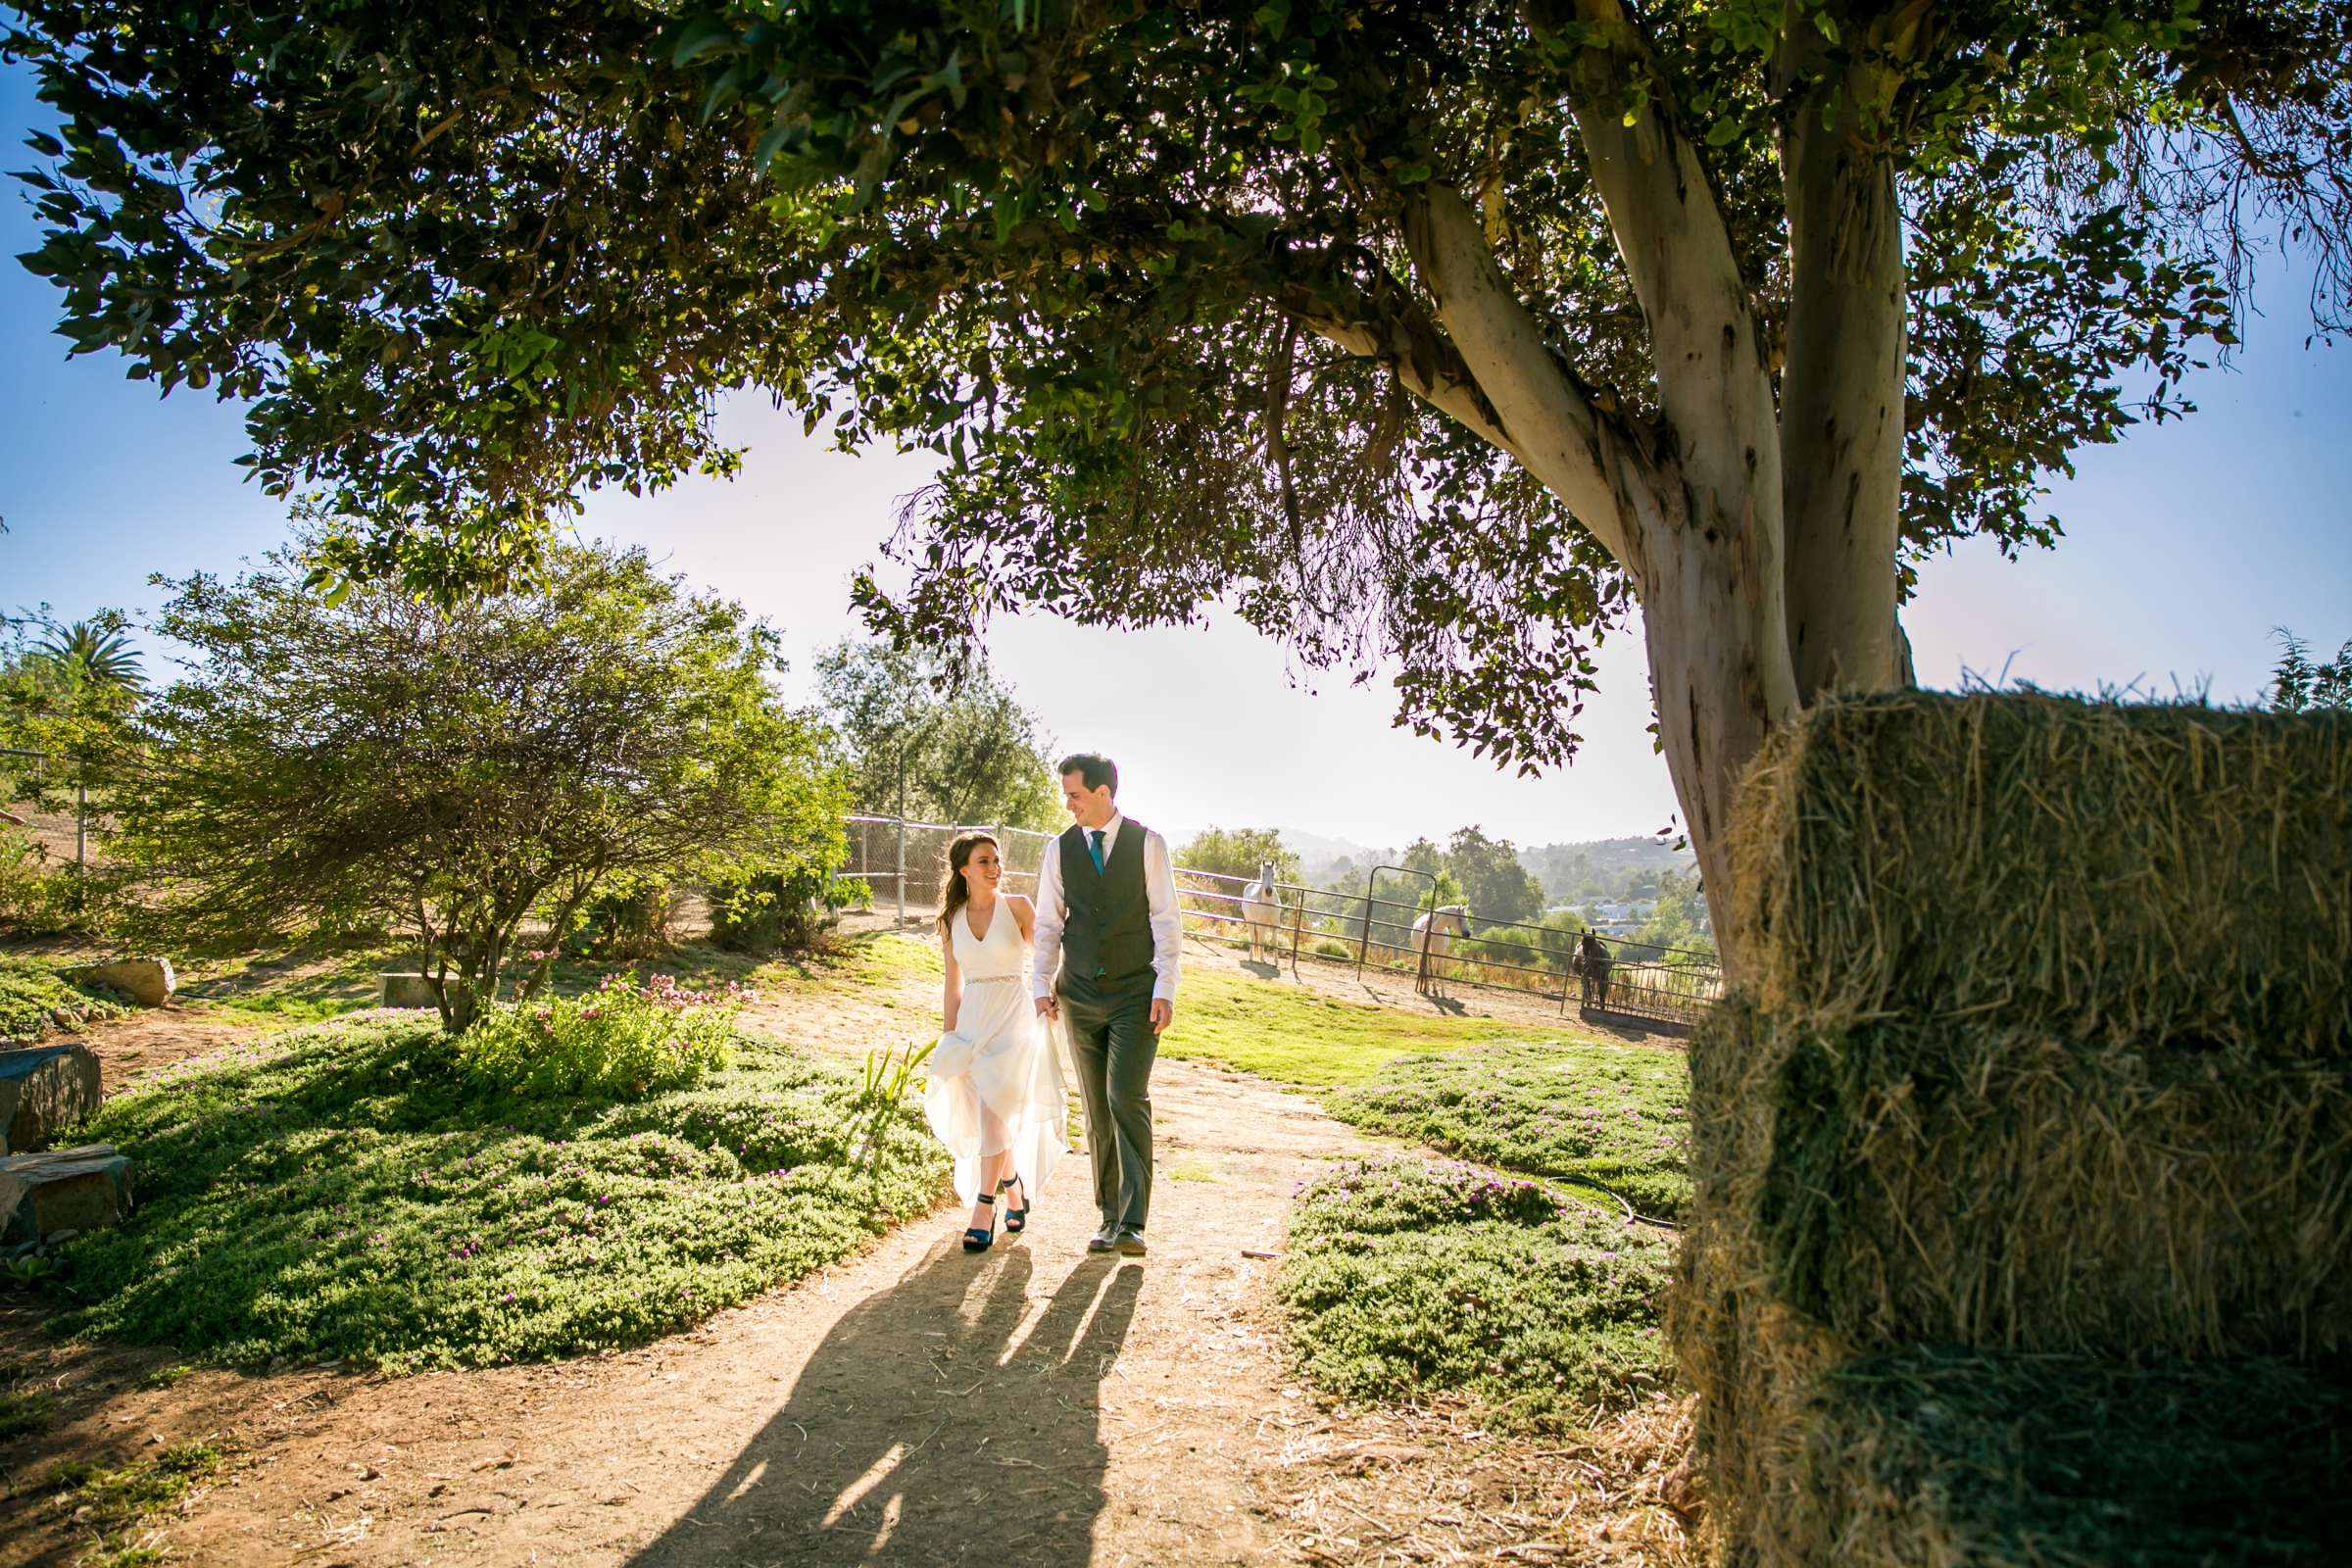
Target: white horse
{"x":1263,"y":912}
{"x":1433,"y":934}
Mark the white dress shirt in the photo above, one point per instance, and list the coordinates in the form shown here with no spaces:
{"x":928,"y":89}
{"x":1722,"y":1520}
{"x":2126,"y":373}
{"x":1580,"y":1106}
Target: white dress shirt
{"x":1159,"y":892}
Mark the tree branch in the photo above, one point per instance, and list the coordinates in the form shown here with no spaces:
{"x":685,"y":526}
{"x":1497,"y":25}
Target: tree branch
{"x":1547,"y":419}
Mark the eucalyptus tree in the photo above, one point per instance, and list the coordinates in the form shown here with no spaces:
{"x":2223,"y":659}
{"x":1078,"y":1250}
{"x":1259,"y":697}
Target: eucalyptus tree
{"x":1444,"y":334}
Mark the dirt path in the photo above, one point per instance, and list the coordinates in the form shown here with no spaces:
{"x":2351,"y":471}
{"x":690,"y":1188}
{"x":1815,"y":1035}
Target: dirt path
{"x":913,"y":1405}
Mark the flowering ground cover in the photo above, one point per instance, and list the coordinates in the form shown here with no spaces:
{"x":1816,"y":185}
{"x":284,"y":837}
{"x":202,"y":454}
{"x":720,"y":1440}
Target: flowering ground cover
{"x":1536,"y":1303}
{"x":1607,"y":1113}
{"x":1442,"y":1283}
{"x":360,"y":1191}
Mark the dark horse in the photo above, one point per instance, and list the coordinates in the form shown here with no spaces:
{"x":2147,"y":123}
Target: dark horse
{"x":1592,"y":965}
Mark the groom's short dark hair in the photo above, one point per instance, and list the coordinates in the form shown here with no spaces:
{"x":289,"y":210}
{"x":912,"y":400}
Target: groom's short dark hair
{"x":1095,"y":771}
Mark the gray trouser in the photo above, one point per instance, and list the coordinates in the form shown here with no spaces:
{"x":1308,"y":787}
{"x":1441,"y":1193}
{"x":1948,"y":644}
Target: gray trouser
{"x":1113,"y":1047}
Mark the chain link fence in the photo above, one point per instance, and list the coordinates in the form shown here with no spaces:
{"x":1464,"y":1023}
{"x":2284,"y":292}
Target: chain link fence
{"x":60,"y":833}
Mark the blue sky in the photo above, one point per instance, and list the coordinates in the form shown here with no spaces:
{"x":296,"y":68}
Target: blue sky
{"x":2186,"y":546}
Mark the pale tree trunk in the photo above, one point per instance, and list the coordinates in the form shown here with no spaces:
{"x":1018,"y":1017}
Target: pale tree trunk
{"x":1706,"y":533}
{"x":1841,"y":405}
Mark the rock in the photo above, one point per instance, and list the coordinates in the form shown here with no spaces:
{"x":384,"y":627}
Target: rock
{"x":65,"y":1017}
{"x":405,"y":991}
{"x":43,"y":1090}
{"x":149,"y":982}
{"x":43,"y":1196}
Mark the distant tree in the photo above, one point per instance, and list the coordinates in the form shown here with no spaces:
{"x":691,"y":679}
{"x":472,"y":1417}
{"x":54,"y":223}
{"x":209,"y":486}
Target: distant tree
{"x":455,"y":772}
{"x":1548,"y":947}
{"x":1423,"y":857}
{"x":1495,"y":885}
{"x":2302,"y":685}
{"x":934,"y":747}
{"x":95,"y":650}
{"x":1237,"y":851}
{"x":67,"y":693}
{"x":1679,"y":919}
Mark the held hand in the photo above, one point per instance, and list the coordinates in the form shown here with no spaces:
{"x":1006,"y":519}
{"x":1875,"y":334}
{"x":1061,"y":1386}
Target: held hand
{"x":1047,"y":1007}
{"x":1163,"y":1013}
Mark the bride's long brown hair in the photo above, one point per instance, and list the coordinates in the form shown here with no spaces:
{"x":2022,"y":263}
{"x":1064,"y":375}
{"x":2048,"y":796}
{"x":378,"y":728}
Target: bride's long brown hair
{"x":957,"y":892}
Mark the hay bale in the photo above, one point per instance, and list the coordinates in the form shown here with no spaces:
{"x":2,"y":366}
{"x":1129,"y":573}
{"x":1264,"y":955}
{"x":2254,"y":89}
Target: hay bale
{"x":1751,"y":1360}
{"x":1859,"y":1192}
{"x":1753,"y":1364}
{"x":2135,"y":873}
{"x":1937,"y":1457}
{"x":2003,"y":1188}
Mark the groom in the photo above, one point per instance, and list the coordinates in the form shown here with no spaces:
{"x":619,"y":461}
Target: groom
{"x":1106,"y":911}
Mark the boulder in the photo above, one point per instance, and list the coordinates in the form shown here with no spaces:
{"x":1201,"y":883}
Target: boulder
{"x":149,"y":982}
{"x":405,"y":991}
{"x":67,"y":1190}
{"x":41,"y":1090}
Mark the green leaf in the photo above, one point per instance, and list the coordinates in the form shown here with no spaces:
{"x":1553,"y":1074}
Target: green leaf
{"x":698,"y":37}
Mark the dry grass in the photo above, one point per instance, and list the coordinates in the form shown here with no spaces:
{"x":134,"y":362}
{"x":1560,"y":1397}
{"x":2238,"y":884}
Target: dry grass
{"x":1405,"y":1485}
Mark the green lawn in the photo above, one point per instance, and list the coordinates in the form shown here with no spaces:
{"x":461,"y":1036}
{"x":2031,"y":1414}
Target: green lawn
{"x":1297,"y":1036}
{"x":1406,"y":1281}
{"x":345,"y":1191}
{"x":1604,"y":1112}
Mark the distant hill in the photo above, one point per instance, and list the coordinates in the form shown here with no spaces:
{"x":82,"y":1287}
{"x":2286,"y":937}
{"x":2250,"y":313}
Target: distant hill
{"x":1317,"y":849}
{"x":1603,"y":868}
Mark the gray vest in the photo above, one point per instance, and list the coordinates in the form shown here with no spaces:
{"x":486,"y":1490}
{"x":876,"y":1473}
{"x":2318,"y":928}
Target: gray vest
{"x":1106,"y":940}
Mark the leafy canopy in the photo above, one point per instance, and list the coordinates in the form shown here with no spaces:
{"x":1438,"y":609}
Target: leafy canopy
{"x":1136,"y":274}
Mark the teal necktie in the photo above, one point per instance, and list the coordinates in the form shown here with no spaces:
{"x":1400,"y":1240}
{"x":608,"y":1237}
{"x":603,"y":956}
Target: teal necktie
{"x":1095,"y":837}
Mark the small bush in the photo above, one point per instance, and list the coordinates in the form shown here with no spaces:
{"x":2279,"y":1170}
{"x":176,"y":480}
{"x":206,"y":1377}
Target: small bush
{"x":621,"y":1040}
{"x":1332,"y":947}
{"x":1420,"y":1283}
{"x":40,"y":895}
{"x":629,"y":923}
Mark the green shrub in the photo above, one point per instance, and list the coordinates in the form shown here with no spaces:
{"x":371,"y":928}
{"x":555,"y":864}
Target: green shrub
{"x":631,"y":922}
{"x":1407,"y":1281}
{"x":352,"y":1192}
{"x":39,"y":897}
{"x":1332,"y":947}
{"x":778,"y":912}
{"x":622,"y":1040}
{"x":1613,"y":1115}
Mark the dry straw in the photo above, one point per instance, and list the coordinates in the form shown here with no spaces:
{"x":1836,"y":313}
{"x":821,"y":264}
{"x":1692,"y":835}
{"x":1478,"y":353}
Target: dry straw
{"x":2133,"y":873}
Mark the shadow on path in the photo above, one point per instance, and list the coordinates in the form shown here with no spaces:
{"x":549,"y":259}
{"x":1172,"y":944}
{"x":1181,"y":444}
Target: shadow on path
{"x":946,"y":1419}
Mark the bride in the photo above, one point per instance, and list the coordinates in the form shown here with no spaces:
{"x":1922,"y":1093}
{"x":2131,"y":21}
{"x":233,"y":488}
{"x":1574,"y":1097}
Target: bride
{"x":995,"y":1096}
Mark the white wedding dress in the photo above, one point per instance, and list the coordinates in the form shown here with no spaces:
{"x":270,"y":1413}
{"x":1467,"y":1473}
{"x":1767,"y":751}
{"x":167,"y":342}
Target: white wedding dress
{"x":995,"y":1081}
